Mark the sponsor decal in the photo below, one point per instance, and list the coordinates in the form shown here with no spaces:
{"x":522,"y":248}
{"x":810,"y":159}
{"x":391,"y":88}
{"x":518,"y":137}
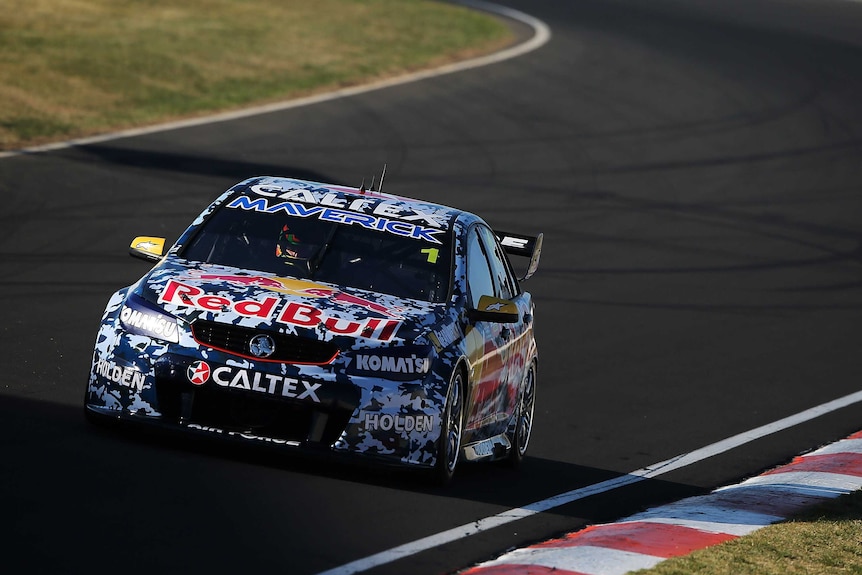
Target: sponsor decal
{"x":508,"y":309}
{"x":295,"y":314}
{"x":299,"y":288}
{"x":146,"y":246}
{"x":200,"y":372}
{"x":288,"y":286}
{"x":445,"y":336}
{"x":261,"y":438}
{"x":151,"y":247}
{"x":331,"y":199}
{"x":143,"y":321}
{"x":244,"y":435}
{"x":375,"y":364}
{"x":379,"y":220}
{"x":205,"y":428}
{"x":387,"y":422}
{"x":184,"y":295}
{"x":517,"y":243}
{"x":125,"y":376}
{"x":307,"y":316}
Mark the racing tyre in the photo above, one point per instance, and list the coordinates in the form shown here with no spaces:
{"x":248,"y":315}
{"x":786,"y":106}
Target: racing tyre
{"x":449,"y":448}
{"x":524,"y":424}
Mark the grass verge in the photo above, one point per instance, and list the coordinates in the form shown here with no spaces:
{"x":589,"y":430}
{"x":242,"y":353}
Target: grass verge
{"x":71,"y":68}
{"x":825,"y":540}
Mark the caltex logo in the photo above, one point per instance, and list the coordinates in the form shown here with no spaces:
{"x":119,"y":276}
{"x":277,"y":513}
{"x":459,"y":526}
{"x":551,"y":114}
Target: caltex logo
{"x":198,"y":372}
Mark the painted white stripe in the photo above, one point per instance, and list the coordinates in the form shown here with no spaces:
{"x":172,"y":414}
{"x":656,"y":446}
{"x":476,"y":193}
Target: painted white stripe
{"x":749,"y":436}
{"x":541,"y":35}
{"x":478,"y":526}
{"x":583,"y":559}
{"x":718,"y":515}
{"x":802,"y":496}
{"x":815,"y":482}
{"x":843,"y":446}
{"x":706,"y":509}
{"x":738,"y":529}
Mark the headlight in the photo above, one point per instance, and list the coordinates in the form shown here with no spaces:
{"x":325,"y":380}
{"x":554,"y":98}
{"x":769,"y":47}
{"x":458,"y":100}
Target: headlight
{"x":399,"y":363}
{"x":140,"y":317}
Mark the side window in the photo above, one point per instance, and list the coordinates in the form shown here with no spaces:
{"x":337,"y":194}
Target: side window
{"x":480,"y":280}
{"x":504,"y":282}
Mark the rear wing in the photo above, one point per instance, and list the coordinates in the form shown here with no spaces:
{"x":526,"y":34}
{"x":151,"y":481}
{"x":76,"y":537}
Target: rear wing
{"x":525,"y":246}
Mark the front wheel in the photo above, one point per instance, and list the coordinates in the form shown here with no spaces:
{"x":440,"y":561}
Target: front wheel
{"x":449,"y":447}
{"x":524,"y":424}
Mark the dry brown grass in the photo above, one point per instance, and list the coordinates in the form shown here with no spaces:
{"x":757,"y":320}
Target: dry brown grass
{"x":70,"y":68}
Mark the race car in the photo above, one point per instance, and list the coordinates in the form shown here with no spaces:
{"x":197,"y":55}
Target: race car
{"x":331,"y":320}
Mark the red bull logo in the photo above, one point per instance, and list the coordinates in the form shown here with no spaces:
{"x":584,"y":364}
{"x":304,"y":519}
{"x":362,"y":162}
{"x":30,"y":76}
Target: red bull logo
{"x":294,"y":313}
{"x":277,"y":284}
{"x":300,"y":288}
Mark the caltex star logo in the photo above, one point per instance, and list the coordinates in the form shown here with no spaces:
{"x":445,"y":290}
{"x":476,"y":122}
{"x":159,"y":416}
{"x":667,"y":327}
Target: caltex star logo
{"x":198,"y":372}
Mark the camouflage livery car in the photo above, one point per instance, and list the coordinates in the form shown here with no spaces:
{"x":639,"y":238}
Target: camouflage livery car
{"x":328,"y":319}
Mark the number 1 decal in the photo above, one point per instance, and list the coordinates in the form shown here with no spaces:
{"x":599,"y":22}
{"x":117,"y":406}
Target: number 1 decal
{"x":432,"y":253}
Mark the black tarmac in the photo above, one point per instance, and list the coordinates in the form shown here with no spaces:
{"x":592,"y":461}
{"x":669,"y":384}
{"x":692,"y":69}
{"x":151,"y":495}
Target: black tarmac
{"x":697,"y":172}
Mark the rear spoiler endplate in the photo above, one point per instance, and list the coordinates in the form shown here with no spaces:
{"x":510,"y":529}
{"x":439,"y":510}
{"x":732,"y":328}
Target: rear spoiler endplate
{"x":524,"y":246}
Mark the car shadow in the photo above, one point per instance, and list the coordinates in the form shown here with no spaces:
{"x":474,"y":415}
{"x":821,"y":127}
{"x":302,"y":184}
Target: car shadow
{"x":53,"y":456}
{"x":189,"y":164}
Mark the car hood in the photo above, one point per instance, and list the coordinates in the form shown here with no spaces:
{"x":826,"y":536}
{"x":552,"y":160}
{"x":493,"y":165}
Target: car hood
{"x":198,"y":291}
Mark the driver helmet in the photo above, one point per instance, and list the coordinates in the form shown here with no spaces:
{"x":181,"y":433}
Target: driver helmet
{"x":289,"y":245}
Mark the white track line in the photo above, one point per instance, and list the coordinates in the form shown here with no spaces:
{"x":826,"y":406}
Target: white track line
{"x":649,"y":472}
{"x":541,"y":35}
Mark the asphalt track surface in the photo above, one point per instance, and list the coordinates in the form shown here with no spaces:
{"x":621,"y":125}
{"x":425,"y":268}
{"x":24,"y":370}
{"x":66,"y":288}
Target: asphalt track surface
{"x":697,"y":172}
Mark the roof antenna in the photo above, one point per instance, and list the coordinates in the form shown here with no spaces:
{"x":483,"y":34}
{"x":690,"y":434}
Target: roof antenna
{"x":362,"y":186}
{"x":383,"y":175}
{"x":372,"y":184}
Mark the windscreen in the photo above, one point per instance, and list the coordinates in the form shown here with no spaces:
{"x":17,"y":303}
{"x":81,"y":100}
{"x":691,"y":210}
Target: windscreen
{"x":340,"y":253}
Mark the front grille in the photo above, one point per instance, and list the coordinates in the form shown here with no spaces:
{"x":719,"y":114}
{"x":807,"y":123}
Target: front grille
{"x":268,"y":417}
{"x":288,"y":348}
{"x":236,"y":412}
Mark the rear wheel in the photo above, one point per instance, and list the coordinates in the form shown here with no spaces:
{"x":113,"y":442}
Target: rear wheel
{"x":524,"y":425}
{"x":449,"y":448}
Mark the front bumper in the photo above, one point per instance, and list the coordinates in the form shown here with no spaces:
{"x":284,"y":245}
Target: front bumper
{"x":185,"y":388}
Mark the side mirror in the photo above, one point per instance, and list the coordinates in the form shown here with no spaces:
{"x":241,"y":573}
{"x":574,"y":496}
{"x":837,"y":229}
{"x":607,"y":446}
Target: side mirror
{"x":147,"y":248}
{"x":495,"y":310}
